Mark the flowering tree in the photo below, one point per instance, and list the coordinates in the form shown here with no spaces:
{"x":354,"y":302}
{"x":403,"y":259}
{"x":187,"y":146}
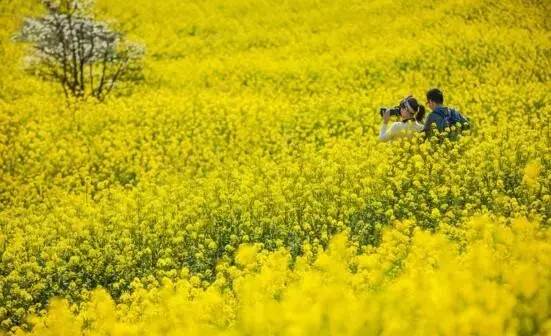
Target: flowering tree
{"x":84,"y":55}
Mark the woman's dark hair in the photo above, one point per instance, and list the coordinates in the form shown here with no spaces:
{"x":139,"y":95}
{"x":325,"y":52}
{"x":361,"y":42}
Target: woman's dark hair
{"x":435,"y":95}
{"x":418,"y":109}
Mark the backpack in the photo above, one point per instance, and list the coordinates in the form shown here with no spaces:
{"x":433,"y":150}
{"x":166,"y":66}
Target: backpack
{"x":453,"y":118}
{"x":448,"y":120}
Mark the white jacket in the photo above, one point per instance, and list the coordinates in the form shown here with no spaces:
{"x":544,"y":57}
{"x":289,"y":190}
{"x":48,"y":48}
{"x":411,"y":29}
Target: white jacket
{"x":399,"y":129}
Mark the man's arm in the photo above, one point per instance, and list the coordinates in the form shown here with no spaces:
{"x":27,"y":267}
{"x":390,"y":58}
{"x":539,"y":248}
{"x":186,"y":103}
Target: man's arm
{"x":428,"y":128}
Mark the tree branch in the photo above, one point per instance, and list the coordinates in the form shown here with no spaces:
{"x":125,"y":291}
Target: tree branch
{"x":103,"y":70}
{"x":116,"y":76}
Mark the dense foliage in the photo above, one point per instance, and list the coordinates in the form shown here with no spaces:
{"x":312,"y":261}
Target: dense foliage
{"x":241,"y":189}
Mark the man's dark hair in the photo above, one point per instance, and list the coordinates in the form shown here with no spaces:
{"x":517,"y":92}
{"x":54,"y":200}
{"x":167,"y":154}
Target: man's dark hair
{"x":435,"y":95}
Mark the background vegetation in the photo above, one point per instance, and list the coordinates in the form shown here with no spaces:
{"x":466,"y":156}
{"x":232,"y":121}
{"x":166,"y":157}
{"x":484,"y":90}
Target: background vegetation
{"x":209,"y":194}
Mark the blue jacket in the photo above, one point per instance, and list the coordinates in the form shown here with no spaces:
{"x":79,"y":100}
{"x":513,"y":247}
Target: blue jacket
{"x":438,"y":117}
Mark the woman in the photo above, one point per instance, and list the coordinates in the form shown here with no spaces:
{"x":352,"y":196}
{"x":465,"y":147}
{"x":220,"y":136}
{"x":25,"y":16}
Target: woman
{"x":412,"y":115}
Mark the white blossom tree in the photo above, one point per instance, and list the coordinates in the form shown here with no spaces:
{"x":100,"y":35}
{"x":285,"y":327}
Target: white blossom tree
{"x":83,"y":54}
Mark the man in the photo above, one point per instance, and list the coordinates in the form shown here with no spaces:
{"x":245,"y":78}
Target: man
{"x":441,"y":115}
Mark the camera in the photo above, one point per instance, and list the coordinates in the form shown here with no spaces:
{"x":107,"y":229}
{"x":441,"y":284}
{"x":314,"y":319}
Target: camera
{"x":394,"y":111}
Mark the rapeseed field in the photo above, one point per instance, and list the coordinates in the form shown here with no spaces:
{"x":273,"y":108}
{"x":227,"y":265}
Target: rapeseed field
{"x":241,"y":189}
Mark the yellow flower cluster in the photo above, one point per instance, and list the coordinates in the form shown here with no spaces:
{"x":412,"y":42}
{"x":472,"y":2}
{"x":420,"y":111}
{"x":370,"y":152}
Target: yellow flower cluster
{"x":241,"y":188}
{"x":494,"y":280}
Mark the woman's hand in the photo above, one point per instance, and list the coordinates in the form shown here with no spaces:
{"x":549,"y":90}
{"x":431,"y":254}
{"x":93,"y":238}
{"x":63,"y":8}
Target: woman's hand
{"x":386,"y":116}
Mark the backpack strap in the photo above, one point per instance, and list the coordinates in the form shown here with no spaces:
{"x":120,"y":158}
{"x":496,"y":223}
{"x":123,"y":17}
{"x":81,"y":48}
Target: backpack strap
{"x":448,"y":116}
